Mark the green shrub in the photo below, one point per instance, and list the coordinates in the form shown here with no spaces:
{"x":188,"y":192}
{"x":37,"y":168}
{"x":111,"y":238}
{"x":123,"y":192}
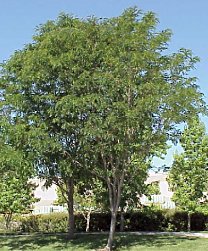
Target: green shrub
{"x":55,"y":222}
{"x":100,"y":222}
{"x":47,"y":223}
{"x":199,"y":221}
{"x":29,"y":223}
{"x":178,"y":220}
{"x":2,"y":223}
{"x":144,"y":220}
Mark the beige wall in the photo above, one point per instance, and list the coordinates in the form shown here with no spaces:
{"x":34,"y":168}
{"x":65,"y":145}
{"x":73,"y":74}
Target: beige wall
{"x":46,"y":195}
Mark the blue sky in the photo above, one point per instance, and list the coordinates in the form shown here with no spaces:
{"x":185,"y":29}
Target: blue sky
{"x":187,"y":19}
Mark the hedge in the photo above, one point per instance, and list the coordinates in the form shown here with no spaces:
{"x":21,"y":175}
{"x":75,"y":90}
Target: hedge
{"x":146,"y":220}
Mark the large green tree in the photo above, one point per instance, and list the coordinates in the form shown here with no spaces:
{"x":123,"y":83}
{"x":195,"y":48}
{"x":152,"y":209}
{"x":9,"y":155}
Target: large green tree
{"x":100,"y":95}
{"x":42,"y":88}
{"x":142,"y":95}
{"x":188,"y":175}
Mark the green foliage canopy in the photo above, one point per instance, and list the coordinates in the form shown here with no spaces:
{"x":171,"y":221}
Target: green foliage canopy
{"x":100,"y":95}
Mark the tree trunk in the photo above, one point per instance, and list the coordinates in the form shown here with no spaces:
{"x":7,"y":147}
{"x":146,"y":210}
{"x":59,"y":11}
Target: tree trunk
{"x":115,"y":198}
{"x":112,"y":231}
{"x":88,"y":221}
{"x":70,"y":204}
{"x":114,"y":183}
{"x":8,"y":218}
{"x":189,"y":222}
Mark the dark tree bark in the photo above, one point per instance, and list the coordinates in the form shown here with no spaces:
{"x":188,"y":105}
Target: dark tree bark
{"x":112,"y":231}
{"x":70,"y":204}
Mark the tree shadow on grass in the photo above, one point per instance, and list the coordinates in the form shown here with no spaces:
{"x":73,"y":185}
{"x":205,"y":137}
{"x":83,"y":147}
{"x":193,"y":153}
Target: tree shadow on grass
{"x":26,"y":242}
{"x":85,"y":242}
{"x":156,"y":241}
{"x":53,"y":242}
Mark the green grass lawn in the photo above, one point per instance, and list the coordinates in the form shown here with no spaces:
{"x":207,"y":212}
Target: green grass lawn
{"x":92,"y":242}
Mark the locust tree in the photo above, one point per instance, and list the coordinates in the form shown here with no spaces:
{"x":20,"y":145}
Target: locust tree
{"x":188,"y":174}
{"x":143,"y":94}
{"x":100,"y":96}
{"x":42,"y":89}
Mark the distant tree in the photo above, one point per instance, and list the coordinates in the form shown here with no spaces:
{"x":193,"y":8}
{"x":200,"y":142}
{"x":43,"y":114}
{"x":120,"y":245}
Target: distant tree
{"x":16,"y":192}
{"x":16,"y":196}
{"x":188,"y":177}
{"x":88,"y":197}
{"x":86,"y":200}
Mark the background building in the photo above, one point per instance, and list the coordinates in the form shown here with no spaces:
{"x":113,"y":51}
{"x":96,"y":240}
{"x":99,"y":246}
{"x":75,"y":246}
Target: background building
{"x":163,"y":199}
{"x":48,"y":196}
